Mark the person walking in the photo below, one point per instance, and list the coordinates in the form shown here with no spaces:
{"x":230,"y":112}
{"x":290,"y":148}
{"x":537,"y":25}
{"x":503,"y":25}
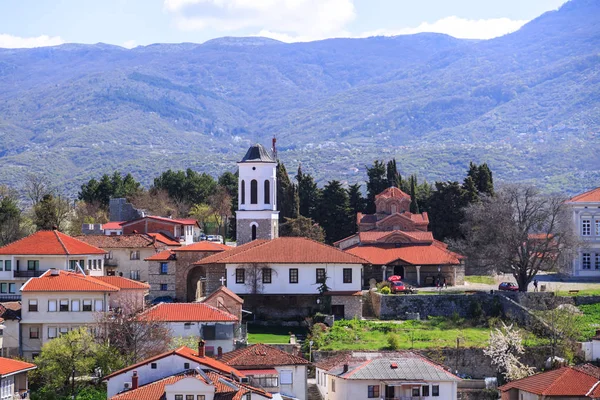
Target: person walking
{"x":535,"y":285}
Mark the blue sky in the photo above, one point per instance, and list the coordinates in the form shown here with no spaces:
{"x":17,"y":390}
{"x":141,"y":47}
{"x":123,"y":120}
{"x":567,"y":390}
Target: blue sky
{"x":31,"y":23}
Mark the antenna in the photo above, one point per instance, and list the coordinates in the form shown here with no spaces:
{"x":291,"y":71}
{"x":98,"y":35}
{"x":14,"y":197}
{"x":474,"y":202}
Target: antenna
{"x":80,"y":268}
{"x":274,"y":147}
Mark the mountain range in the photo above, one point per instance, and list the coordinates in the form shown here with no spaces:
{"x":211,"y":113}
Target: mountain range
{"x":527,"y":103}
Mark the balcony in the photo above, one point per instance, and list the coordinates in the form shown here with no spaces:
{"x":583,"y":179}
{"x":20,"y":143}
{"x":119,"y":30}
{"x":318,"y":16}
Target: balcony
{"x":28,"y":274}
{"x":10,"y":297}
{"x":111,"y":262}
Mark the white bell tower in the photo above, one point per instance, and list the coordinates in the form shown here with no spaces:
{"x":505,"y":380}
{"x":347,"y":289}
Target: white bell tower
{"x":257,"y":216}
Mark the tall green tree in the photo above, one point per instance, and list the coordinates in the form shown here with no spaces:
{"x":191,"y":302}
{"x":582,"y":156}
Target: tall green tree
{"x":189,"y":187}
{"x":10,"y":216}
{"x":356,"y":202}
{"x":393,"y":176}
{"x":414,"y":204}
{"x":100,"y":192}
{"x":308,"y":194}
{"x":302,"y":227}
{"x":446,"y":210}
{"x":336,"y":215}
{"x":288,"y":202}
{"x":471,"y":192}
{"x":377,"y":183}
{"x":51,"y":213}
{"x":485,"y":181}
{"x":229,"y":181}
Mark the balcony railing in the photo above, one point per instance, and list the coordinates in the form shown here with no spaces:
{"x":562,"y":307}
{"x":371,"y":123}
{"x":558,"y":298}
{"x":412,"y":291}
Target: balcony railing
{"x":110,"y":262}
{"x":28,"y":274}
{"x":10,"y":297}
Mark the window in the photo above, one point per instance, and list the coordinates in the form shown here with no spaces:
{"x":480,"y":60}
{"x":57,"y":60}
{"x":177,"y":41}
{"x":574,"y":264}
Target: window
{"x":597,"y":262}
{"x":253,"y":192}
{"x":267,"y":192}
{"x":189,"y":397}
{"x":586,"y":227}
{"x":34,"y":332}
{"x":373,"y":391}
{"x":178,"y":397}
{"x":134,"y":255}
{"x":266,"y":381}
{"x":209,"y":332}
{"x":1,"y":265}
{"x":153,"y":365}
{"x":87,"y":305}
{"x":425,"y":391}
{"x":135,"y":275}
{"x":293,"y":275}
{"x":33,"y":305}
{"x":332,"y":385}
{"x":164,"y":268}
{"x":33,"y":265}
{"x":243,"y":196}
{"x":586,"y":261}
{"x":240,"y":275}
{"x":416,"y":392}
{"x":95,"y":263}
{"x":187,"y":325}
{"x":321,"y":275}
{"x":99,"y":305}
{"x":63,"y":305}
{"x":200,"y":397}
{"x":89,"y":264}
{"x":73,"y":264}
{"x":186,"y":365}
{"x":51,"y":305}
{"x":52,"y":332}
{"x":7,"y":265}
{"x":163,"y":287}
{"x":435,"y":390}
{"x":597,"y":222}
{"x":347,"y":275}
{"x":266,"y":275}
{"x":63,"y":330}
{"x":75,"y":305}
{"x":108,"y":256}
{"x":286,"y":377}
{"x":253,"y":232}
{"x":3,"y":287}
{"x":12,"y":288}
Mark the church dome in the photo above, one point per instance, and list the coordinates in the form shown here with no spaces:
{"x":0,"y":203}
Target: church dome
{"x":258,"y":153}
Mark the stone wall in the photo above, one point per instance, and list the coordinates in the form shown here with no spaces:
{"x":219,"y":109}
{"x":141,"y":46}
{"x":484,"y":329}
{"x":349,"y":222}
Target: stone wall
{"x":280,"y":307}
{"x":121,"y":210}
{"x":155,"y":279}
{"x":352,"y":305}
{"x":266,"y":229}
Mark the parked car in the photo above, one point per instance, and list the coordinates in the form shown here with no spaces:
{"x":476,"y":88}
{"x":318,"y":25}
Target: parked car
{"x":215,"y":238}
{"x":401,"y":287}
{"x":508,"y":286}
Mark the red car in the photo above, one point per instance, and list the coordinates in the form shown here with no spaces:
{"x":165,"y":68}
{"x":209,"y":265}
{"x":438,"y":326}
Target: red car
{"x":508,"y":286}
{"x":400,"y":287}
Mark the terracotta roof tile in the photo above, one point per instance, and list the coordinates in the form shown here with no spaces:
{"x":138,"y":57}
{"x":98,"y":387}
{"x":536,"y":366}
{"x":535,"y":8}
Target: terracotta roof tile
{"x":293,"y":250}
{"x":162,"y":238}
{"x":112,"y":225}
{"x":260,"y":355}
{"x":205,"y":246}
{"x":123,"y":283}
{"x":412,"y":254}
{"x":227,"y":292}
{"x":66,"y":282}
{"x":591,"y":196}
{"x":134,"y":240}
{"x":184,"y":312}
{"x":376,"y":236}
{"x":391,"y":192}
{"x":50,"y":243}
{"x":174,"y":221}
{"x":565,"y":381}
{"x":9,"y":366}
{"x":166,"y":255}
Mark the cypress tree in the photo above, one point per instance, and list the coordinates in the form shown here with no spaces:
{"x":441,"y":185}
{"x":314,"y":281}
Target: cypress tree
{"x":414,"y":205}
{"x":485,"y":182}
{"x":287,"y":195}
{"x":393,"y":177}
{"x":376,"y":184}
{"x":470,"y":189}
{"x":336,"y":216}
{"x":356,"y":202}
{"x":308,"y":195}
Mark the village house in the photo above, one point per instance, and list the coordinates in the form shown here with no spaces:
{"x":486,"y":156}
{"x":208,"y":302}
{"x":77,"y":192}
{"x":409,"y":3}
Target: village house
{"x":396,"y":242}
{"x":35,"y":254}
{"x":216,"y":327}
{"x":585,"y":210}
{"x":13,"y":378}
{"x":271,"y":369}
{"x":185,"y":231}
{"x":384,"y":375}
{"x":59,"y":301}
{"x":10,"y":313}
{"x":125,"y":254}
{"x":224,"y":299}
{"x":573,"y":383}
{"x":136,"y":381}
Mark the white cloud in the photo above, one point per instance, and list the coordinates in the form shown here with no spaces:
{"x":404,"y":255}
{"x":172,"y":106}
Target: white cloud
{"x":14,"y":42}
{"x":459,"y":28}
{"x":130,"y":44}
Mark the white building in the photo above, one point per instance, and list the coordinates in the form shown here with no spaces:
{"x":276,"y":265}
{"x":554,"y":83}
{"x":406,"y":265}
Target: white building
{"x":381,"y":375}
{"x":10,"y":313}
{"x":586,"y":219}
{"x":44,"y":250}
{"x":216,"y":327}
{"x":185,"y":231}
{"x":13,"y":382}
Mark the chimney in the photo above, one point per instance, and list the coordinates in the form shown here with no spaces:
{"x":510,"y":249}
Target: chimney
{"x":54,"y":272}
{"x":219,"y":352}
{"x":201,"y":348}
{"x":274,"y":147}
{"x":346,"y":367}
{"x":134,"y":380}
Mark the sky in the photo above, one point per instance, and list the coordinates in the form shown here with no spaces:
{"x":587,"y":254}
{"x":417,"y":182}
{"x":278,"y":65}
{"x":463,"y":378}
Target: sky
{"x":130,"y":23}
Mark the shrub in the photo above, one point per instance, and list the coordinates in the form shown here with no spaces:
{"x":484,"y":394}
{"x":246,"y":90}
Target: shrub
{"x":383,"y":284}
{"x":394,"y":341}
{"x":385,"y":290}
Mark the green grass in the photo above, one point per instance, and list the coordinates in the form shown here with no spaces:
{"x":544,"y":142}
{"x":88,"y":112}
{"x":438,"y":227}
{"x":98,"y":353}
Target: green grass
{"x":484,"y":279}
{"x":272,"y":334}
{"x":590,"y":319}
{"x":584,"y":292}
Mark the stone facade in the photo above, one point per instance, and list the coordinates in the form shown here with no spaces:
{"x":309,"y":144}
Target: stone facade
{"x":121,"y":210}
{"x":352,"y":305}
{"x":156,"y":279}
{"x":224,"y":301}
{"x":265,"y":229}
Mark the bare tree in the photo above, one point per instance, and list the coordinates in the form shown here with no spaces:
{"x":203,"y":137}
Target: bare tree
{"x":10,"y":216}
{"x":220,"y":204}
{"x":86,"y":213}
{"x":155,"y":202}
{"x":518,"y":231}
{"x":255,"y":276}
{"x":36,"y":187}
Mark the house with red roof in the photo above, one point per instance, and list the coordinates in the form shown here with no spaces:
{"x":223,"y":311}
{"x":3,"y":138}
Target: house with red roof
{"x":10,"y":314}
{"x":216,"y":327}
{"x":44,"y":250}
{"x":183,"y":230}
{"x":585,"y":210}
{"x":573,"y":383}
{"x":396,"y":242}
{"x":13,"y":373}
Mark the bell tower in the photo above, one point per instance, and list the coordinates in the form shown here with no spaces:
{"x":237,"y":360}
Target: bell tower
{"x":257,"y":216}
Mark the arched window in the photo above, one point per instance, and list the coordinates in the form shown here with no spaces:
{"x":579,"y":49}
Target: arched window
{"x":394,"y":209}
{"x":267,"y":192}
{"x":253,"y":232}
{"x":253,"y":192}
{"x":243,"y":192}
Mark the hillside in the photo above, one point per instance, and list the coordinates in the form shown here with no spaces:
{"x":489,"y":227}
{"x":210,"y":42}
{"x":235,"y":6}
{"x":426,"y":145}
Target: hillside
{"x":527,"y":103}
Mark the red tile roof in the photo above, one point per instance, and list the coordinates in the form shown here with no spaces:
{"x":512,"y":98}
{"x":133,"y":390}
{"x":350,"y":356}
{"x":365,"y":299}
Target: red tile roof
{"x":391,"y":192}
{"x":49,"y":243}
{"x":587,"y":197}
{"x":134,"y":240}
{"x":565,"y":381}
{"x":283,"y":250}
{"x":187,"y":312}
{"x":380,"y":236}
{"x":8,"y":366}
{"x":205,"y":246}
{"x":259,"y":356}
{"x":166,"y":255}
{"x":432,"y":254}
{"x":184,"y":352}
{"x":162,"y":238}
{"x":174,"y":221}
{"x":112,"y":225}
{"x":227,"y":292}
{"x":123,"y":283}
{"x":66,"y":282}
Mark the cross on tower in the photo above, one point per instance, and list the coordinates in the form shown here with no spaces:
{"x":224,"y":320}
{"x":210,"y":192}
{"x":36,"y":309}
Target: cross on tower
{"x":222,"y":281}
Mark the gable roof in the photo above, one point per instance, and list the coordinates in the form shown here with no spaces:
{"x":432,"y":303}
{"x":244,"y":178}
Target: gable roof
{"x":383,"y":236}
{"x":391,"y":192}
{"x":123,"y":283}
{"x":174,"y":221}
{"x":66,"y":281}
{"x":162,"y":238}
{"x":258,"y":153}
{"x":8,"y":366}
{"x":187,"y":312}
{"x":432,"y":254}
{"x":205,"y":246}
{"x":565,"y":381}
{"x":587,"y":197}
{"x":165,"y":255}
{"x":225,"y":290}
{"x":184,"y":352}
{"x":134,"y":240}
{"x":259,"y":356}
{"x":10,"y":310}
{"x":50,"y":243}
{"x":112,"y":225}
{"x":283,"y":250}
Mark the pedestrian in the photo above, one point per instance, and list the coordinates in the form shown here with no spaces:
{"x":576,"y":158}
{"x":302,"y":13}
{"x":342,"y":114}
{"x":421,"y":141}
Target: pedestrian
{"x":445,"y":284}
{"x":535,"y":285}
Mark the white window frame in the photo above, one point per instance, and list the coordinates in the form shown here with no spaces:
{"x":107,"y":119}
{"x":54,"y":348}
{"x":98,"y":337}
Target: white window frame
{"x":75,"y":308}
{"x":62,"y":302}
{"x":586,"y":227}
{"x":98,"y":305}
{"x":586,"y":261}
{"x":52,"y":329}
{"x":91,"y":304}
{"x":597,"y":261}
{"x":63,"y":330}
{"x":284,"y":374}
{"x":50,"y":303}
{"x":597,"y":224}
